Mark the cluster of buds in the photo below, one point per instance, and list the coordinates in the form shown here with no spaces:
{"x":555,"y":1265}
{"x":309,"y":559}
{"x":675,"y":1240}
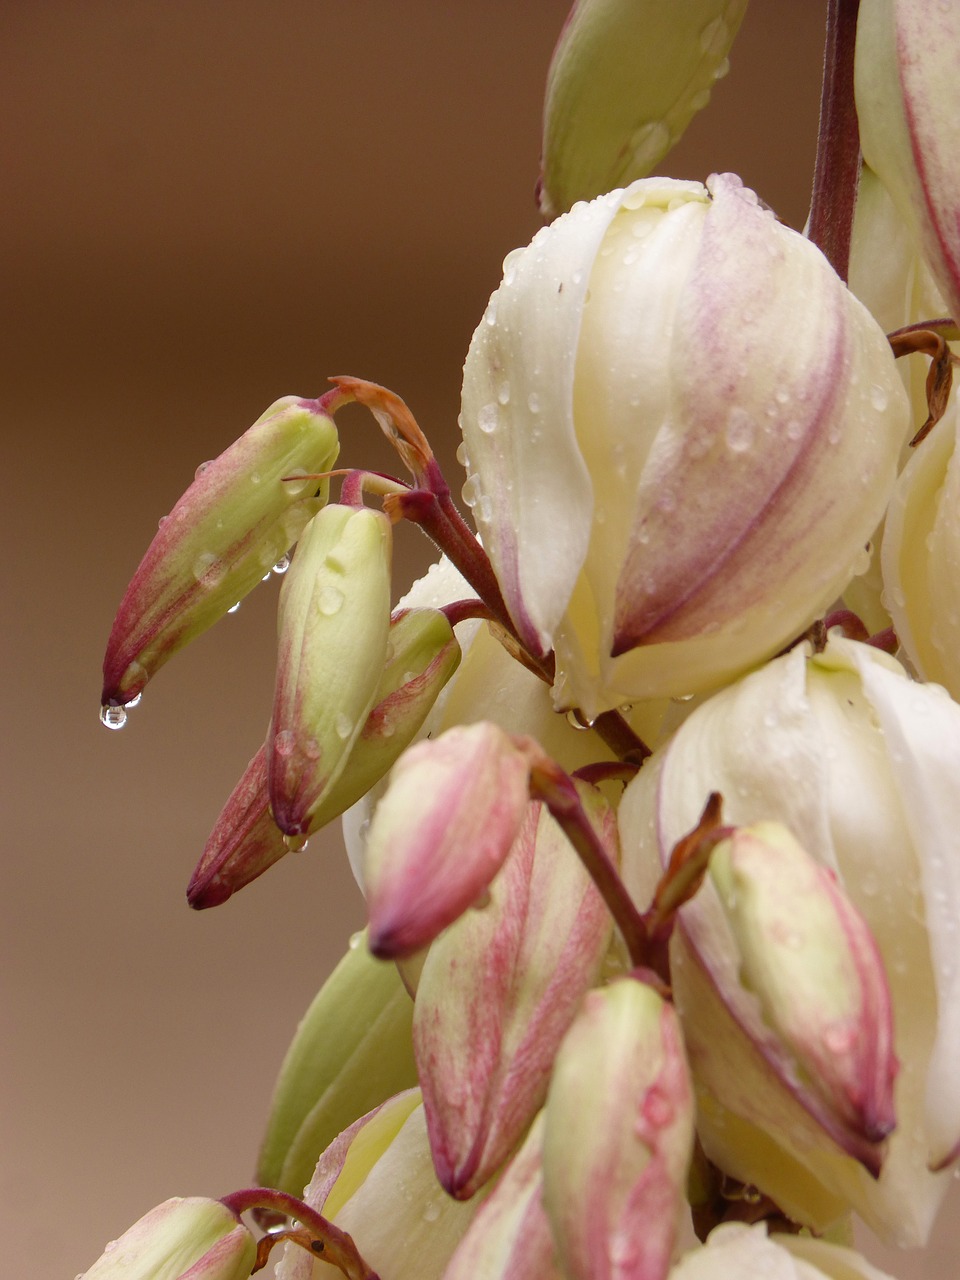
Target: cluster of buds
{"x":659,"y":837}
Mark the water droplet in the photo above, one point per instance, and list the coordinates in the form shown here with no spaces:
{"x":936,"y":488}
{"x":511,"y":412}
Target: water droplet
{"x":311,"y":749}
{"x":266,"y":576}
{"x":462,"y":454}
{"x":471,"y":491}
{"x":649,"y":143}
{"x":533,"y":402}
{"x":343,"y":726}
{"x":715,"y":37}
{"x":490,"y":315}
{"x":254,"y":477}
{"x":329,"y":601}
{"x":503,"y":395}
{"x":740,"y":431}
{"x":282,"y":565}
{"x":723,"y":69}
{"x":161,"y":522}
{"x":356,"y":939}
{"x":113,"y":717}
{"x":200,"y":470}
{"x":878,"y":397}
{"x":134,"y":701}
{"x":208,"y":569}
{"x":284,"y":742}
{"x":488,"y":419}
{"x":234,"y":607}
{"x":294,"y":843}
{"x":575,"y":720}
{"x":431,"y":1211}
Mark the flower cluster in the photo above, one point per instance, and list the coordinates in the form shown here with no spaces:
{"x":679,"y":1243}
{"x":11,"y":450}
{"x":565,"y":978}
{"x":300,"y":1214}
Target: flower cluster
{"x":653,"y":801}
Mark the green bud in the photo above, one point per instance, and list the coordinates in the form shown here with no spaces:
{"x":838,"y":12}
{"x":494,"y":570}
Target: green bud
{"x":334,"y":621}
{"x":236,"y":520}
{"x":195,"y":1236}
{"x":352,"y":1051}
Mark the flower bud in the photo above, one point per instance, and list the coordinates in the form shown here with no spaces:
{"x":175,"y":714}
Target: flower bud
{"x":440,"y":834}
{"x":618,"y":1135}
{"x":196,"y":1237}
{"x":625,"y":80}
{"x":237,"y":519}
{"x":352,"y":1051}
{"x":498,"y":991}
{"x":421,"y":656}
{"x":376,"y":1182}
{"x":908,"y":105}
{"x":807,"y":956}
{"x":681,"y":431}
{"x":333,"y":624}
{"x":860,"y":763}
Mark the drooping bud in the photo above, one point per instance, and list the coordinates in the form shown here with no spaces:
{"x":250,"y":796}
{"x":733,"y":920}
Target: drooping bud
{"x":194,"y":1237}
{"x":618,"y":1136}
{"x":237,"y":519}
{"x":498,"y":991}
{"x":808,"y":956}
{"x":244,"y":842}
{"x":422,"y":654}
{"x":352,"y":1051}
{"x":908,"y":108}
{"x":333,"y":625}
{"x":440,"y":834}
{"x":625,"y":80}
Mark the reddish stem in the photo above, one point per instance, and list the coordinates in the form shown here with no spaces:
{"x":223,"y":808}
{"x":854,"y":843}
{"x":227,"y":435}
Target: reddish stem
{"x":837,"y":172}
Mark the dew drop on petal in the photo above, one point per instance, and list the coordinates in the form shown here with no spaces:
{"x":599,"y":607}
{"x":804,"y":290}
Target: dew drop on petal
{"x":356,"y":939}
{"x":282,"y":565}
{"x":739,"y":432}
{"x":134,"y":701}
{"x":200,"y":470}
{"x":715,"y":36}
{"x":488,"y":419}
{"x":329,"y":601}
{"x":284,"y":742}
{"x":878,"y":397}
{"x":533,"y":402}
{"x":234,"y":607}
{"x":343,"y":726}
{"x":113,"y":717}
{"x":431,"y":1211}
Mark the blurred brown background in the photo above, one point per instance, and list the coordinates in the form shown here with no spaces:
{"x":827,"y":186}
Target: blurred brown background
{"x":205,"y":206}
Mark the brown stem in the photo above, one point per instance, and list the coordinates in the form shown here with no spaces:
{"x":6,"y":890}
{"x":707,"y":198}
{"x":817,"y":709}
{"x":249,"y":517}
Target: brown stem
{"x":837,"y":172}
{"x":549,"y":783}
{"x":320,"y":1236}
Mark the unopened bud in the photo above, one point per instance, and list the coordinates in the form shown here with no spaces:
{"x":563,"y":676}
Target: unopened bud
{"x":618,"y":1136}
{"x":334,"y":620}
{"x":236,"y":520}
{"x":196,"y":1237}
{"x":440,"y":834}
{"x":808,"y":956}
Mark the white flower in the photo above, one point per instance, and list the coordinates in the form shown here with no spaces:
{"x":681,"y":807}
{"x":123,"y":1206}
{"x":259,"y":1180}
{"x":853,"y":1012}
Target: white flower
{"x":860,"y":763}
{"x":682,"y":430}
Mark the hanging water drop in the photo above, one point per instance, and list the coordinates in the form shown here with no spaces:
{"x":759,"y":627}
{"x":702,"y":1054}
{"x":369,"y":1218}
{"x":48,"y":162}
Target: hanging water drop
{"x":134,"y":701}
{"x":234,"y":607}
{"x":200,"y":470}
{"x":113,"y":717}
{"x":282,"y":565}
